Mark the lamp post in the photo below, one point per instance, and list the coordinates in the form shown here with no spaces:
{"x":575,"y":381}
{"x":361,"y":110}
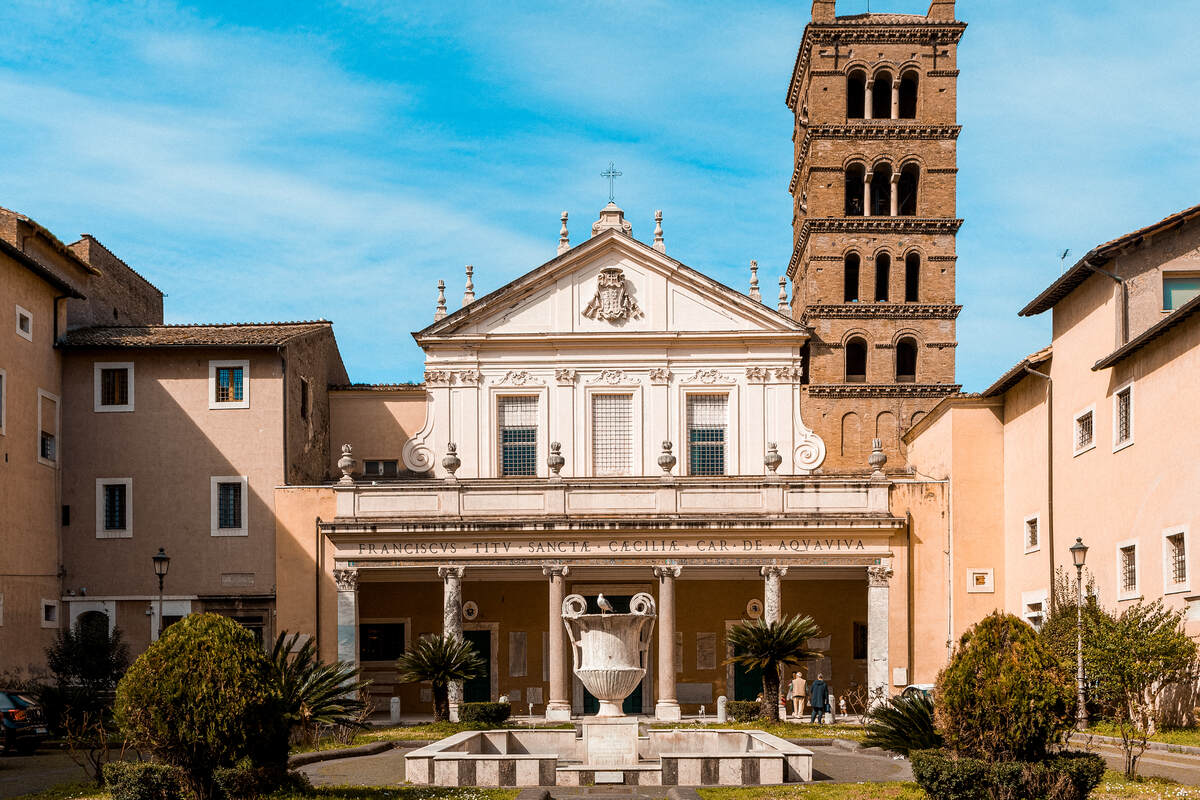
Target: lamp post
{"x":162,"y":562}
{"x":1079,"y":555}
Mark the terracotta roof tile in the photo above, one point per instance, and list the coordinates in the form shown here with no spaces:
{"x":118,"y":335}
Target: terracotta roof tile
{"x":241,"y":334}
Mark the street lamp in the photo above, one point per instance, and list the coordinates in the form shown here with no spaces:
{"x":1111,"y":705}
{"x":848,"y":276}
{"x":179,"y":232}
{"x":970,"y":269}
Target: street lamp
{"x":1079,"y":556}
{"x":162,"y":562}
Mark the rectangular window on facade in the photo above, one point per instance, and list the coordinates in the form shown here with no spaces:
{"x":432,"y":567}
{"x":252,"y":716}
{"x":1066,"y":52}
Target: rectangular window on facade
{"x":518,"y":435}
{"x":25,"y":323}
{"x":1127,"y":575}
{"x":380,"y":641}
{"x":1085,"y":438}
{"x":228,"y":384}
{"x":385,"y":468}
{"x":1175,"y":565}
{"x":612,"y":434}
{"x":113,"y":386}
{"x":49,"y":613}
{"x":303,"y":399}
{"x":1033,"y":535}
{"x":981,"y":581}
{"x":707,"y":416}
{"x":860,"y":640}
{"x":1178,"y":289}
{"x":47,"y":428}
{"x":1123,"y":418}
{"x":114,"y":508}
{"x":228,"y":510}
{"x":1035,"y":611}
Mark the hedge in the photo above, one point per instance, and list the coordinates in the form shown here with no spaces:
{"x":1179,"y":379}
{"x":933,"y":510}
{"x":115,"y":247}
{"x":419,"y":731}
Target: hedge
{"x":1065,"y":776}
{"x":143,"y":780}
{"x":487,"y":713}
{"x":743,"y":710}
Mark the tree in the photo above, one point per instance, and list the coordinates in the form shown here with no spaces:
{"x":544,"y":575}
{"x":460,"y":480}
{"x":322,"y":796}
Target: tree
{"x":314,"y":693}
{"x":1004,"y":696}
{"x":442,"y":660}
{"x":903,"y":724}
{"x":769,"y":646}
{"x":1131,"y":659}
{"x":204,"y":697}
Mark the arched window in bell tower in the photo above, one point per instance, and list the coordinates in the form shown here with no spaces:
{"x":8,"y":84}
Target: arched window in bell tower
{"x":912,"y":277}
{"x":856,"y":92}
{"x":908,"y":95}
{"x":856,"y":360}
{"x":881,"y":96}
{"x":881,"y":190}
{"x":883,"y":276}
{"x":906,"y":205}
{"x":854,"y":190}
{"x":906,"y":360}
{"x":850,"y":278}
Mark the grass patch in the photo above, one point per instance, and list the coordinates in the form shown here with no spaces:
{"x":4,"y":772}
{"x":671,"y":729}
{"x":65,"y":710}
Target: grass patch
{"x":1184,"y":736}
{"x":399,"y":793}
{"x":428,"y":732}
{"x":784,"y":730}
{"x":68,"y":791}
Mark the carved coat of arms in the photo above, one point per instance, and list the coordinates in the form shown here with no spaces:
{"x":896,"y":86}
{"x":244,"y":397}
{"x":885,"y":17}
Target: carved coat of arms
{"x":612,"y":301}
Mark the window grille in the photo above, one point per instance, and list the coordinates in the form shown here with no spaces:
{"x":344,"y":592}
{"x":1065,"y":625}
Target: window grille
{"x":1083,"y":431}
{"x":114,"y":507}
{"x":48,"y":446}
{"x":612,"y":434}
{"x":706,"y":416}
{"x":381,"y":469}
{"x":1123,"y":416}
{"x":518,"y":435}
{"x":1031,"y":533}
{"x":229,"y":384}
{"x":1129,"y":569}
{"x":1177,"y":558}
{"x":229,"y":505}
{"x":114,"y":387}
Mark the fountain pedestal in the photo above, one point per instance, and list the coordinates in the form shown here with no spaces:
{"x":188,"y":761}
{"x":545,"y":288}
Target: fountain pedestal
{"x":610,"y":741}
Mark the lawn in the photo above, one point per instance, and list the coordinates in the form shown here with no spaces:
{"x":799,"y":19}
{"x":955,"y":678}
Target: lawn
{"x":1184,"y":736}
{"x":784,"y":730}
{"x":89,"y":792}
{"x":428,"y":732}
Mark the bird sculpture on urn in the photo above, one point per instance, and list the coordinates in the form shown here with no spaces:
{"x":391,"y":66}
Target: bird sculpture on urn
{"x":605,"y":606}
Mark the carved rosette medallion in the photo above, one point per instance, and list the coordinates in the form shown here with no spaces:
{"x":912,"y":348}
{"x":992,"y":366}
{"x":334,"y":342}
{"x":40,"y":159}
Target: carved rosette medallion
{"x":612,"y":301}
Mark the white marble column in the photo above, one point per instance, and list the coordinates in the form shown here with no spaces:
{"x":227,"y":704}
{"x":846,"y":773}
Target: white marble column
{"x":347,"y":614}
{"x":895,"y":201}
{"x":867,"y":176}
{"x":772,"y":596}
{"x":868,"y":96}
{"x":877,"y":631}
{"x":452,"y":622}
{"x":896,"y":99}
{"x":667,"y":706}
{"x":558,"y":707}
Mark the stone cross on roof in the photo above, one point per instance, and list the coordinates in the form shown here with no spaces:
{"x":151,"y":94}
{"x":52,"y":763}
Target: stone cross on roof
{"x":612,"y":173}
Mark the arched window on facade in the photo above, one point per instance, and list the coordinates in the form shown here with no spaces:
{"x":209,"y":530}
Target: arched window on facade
{"x":908,"y":95}
{"x":906,"y":360}
{"x":912,"y":277}
{"x":856,"y":90}
{"x":881,"y":190}
{"x":906,"y":205}
{"x":856,"y":360}
{"x":850,"y":278}
{"x":883,"y":276}
{"x":881,"y":96}
{"x":854,"y":190}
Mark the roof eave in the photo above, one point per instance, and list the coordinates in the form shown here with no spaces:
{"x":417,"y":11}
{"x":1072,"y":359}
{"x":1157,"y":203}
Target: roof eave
{"x":41,"y":270}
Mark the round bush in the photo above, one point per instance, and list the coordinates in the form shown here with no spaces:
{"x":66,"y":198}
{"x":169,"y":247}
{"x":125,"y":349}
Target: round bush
{"x":201,"y":698}
{"x":1066,"y":776}
{"x":1004,"y":695}
{"x":743,"y":710}
{"x":487,"y":713}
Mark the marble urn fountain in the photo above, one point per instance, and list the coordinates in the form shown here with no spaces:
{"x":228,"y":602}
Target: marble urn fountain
{"x":609,"y":650}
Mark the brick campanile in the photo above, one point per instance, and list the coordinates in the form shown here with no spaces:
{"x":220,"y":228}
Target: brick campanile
{"x":874,"y":223}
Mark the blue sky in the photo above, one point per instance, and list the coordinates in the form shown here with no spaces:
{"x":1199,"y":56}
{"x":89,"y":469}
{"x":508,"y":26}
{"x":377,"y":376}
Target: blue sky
{"x":271,"y":160}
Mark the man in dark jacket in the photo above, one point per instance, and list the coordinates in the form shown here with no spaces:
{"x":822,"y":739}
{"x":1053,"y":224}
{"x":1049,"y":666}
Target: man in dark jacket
{"x":818,"y":697}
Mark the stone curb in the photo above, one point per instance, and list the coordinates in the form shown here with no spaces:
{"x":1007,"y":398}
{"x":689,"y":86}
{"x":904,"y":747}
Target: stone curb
{"x":1161,"y":747}
{"x":845,"y":744}
{"x":316,"y":756}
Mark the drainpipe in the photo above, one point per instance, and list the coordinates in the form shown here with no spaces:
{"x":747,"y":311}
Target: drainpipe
{"x":1049,"y":474}
{"x":319,"y":557}
{"x":1123,"y":321}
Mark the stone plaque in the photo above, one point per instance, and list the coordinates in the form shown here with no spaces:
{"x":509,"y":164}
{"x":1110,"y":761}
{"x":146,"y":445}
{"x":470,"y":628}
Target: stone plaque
{"x":706,"y":651}
{"x":611,"y":742}
{"x":516,"y":654}
{"x":534,"y":695}
{"x":514,"y":695}
{"x":694,"y":692}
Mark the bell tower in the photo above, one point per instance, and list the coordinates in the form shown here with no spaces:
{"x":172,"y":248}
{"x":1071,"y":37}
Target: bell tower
{"x":874,"y":225}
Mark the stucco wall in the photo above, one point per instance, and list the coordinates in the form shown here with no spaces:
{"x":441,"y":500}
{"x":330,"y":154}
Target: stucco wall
{"x":376,"y":423}
{"x":312,"y":359}
{"x":117,"y":296}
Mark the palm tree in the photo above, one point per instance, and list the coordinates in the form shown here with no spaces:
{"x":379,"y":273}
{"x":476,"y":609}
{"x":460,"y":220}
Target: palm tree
{"x":903,"y":724}
{"x":441,"y":660}
{"x":768,"y":646}
{"x":315,"y":693}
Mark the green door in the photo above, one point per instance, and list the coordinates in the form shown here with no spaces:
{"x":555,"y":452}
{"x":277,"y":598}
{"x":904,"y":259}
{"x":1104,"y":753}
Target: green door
{"x":633,"y":703}
{"x":479,"y":688}
{"x":747,"y":682}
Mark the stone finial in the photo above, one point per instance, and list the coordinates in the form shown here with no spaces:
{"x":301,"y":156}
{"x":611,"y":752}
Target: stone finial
{"x":439,"y":313}
{"x":877,"y":458}
{"x":451,"y":462}
{"x":772,"y":459}
{"x":564,"y":238}
{"x":667,"y":459}
{"x":555,"y":460}
{"x":658,"y":245}
{"x":783,"y":307}
{"x":469,"y":291}
{"x":612,"y":218}
{"x":755,"y":294}
{"x":346,"y":465}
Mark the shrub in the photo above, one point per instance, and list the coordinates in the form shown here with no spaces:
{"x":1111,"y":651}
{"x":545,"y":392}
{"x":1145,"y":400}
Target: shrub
{"x":1067,"y":776}
{"x":142,"y":780}
{"x":770,"y":646}
{"x":248,"y":782}
{"x":202,"y":697}
{"x":488,"y":713}
{"x":316,"y":694}
{"x":1004,"y":695}
{"x":902,"y":724}
{"x":743,"y":710}
{"x":441,"y":660}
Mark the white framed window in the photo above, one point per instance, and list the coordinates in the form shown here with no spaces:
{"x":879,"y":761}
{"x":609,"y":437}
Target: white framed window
{"x":980,"y":581}
{"x":381,"y":467}
{"x":707,"y":433}
{"x":612,"y":434}
{"x":112,"y":386}
{"x":1178,"y":288}
{"x":1084,"y":430}
{"x":1034,"y":607}
{"x":48,"y":424}
{"x":49,"y":613}
{"x":1127,"y":570}
{"x":227,"y":501}
{"x":114,"y":508}
{"x":1176,"y":575}
{"x":25,"y":323}
{"x":3,"y":401}
{"x":517,"y":434}
{"x":1031,"y":533}
{"x":1123,"y":417}
{"x":229,"y":384}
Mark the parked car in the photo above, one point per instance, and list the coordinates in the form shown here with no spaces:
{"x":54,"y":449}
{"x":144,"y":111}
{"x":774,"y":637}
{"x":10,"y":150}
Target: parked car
{"x":22,"y":724}
{"x":918,"y":688}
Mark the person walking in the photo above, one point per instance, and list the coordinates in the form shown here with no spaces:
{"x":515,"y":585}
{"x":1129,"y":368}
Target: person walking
{"x":818,"y":696}
{"x":799,"y":692}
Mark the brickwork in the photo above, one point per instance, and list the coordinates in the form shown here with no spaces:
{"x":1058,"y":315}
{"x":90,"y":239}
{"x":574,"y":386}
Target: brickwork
{"x":874,"y":223}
